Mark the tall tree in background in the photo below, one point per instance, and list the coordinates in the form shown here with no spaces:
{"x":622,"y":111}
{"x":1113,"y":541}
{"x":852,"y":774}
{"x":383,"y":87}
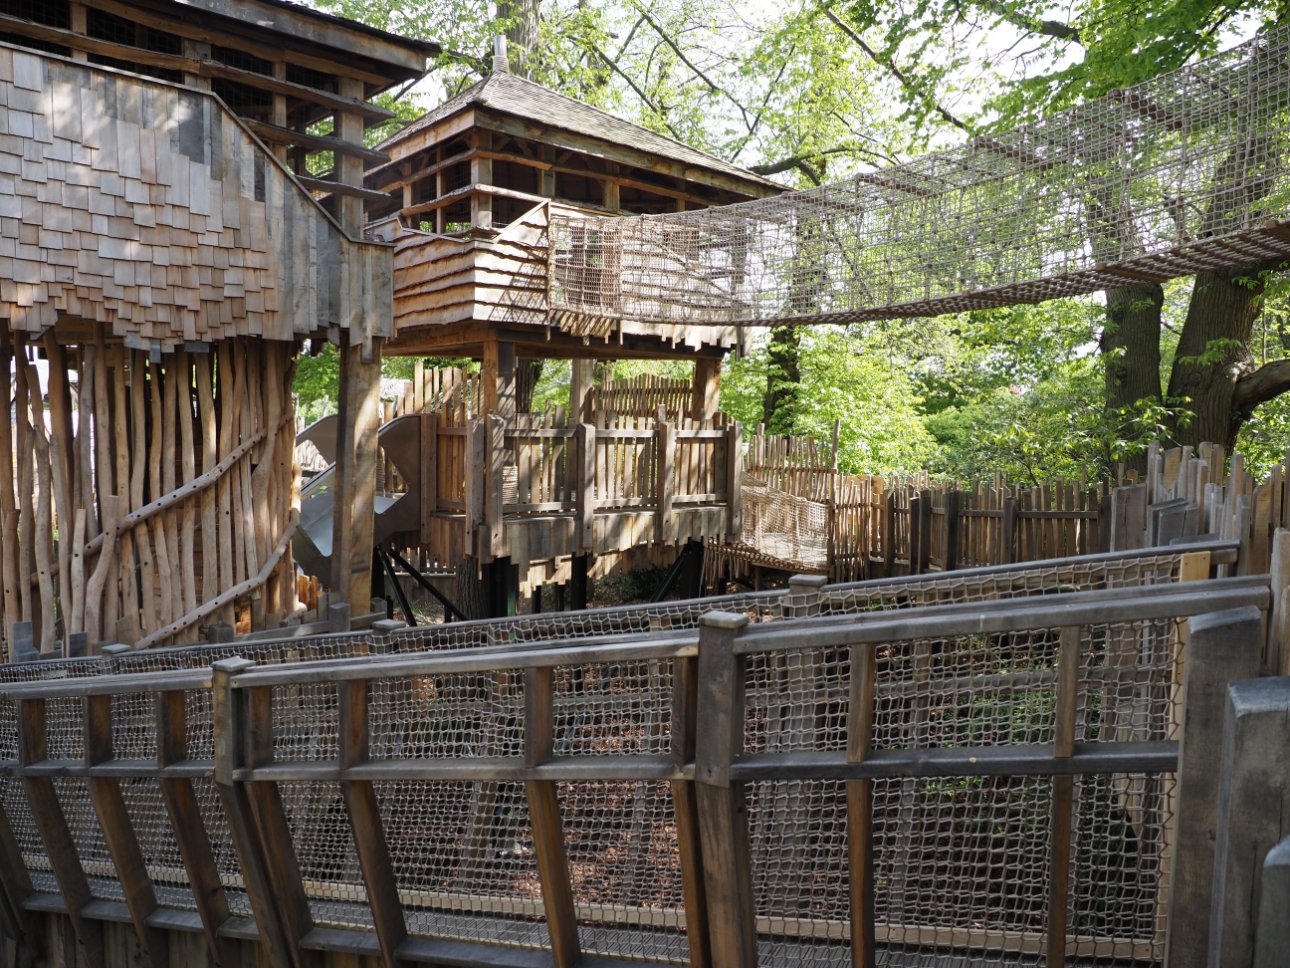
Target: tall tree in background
{"x":1213,"y":382}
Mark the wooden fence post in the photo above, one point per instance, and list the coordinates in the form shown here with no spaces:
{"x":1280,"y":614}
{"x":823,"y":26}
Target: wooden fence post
{"x":232,"y":741}
{"x":584,"y":486}
{"x":685,"y":701}
{"x":860,"y":866}
{"x":1277,"y":653}
{"x":804,"y":594}
{"x":365,"y":822}
{"x":191,"y":836}
{"x":118,"y":831}
{"x":734,"y":482}
{"x":544,"y":812}
{"x":665,"y":455}
{"x":1222,"y":647}
{"x":1252,"y":801}
{"x":723,"y":812}
{"x":494,"y":513}
{"x":51,"y":822}
{"x":429,"y":473}
{"x":474,"y":451}
{"x":953,"y":528}
{"x":1273,"y":938}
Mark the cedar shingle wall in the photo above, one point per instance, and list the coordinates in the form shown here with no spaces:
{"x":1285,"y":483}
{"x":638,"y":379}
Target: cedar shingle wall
{"x":147,"y":208}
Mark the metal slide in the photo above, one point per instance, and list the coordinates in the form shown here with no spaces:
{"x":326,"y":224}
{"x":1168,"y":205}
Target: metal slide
{"x":400,"y":441}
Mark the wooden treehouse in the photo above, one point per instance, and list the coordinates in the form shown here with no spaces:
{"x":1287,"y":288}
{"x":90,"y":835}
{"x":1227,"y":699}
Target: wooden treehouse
{"x":469,"y":191}
{"x":172,"y":225}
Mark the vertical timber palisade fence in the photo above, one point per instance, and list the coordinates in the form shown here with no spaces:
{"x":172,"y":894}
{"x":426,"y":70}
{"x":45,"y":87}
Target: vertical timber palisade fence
{"x":800,"y":514}
{"x":995,"y":780}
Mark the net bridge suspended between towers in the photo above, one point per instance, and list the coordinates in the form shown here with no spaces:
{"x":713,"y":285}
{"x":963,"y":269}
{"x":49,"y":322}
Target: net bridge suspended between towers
{"x":1187,"y":172}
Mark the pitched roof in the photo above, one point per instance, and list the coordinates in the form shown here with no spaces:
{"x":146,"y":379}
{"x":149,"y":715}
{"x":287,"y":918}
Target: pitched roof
{"x":508,"y":94}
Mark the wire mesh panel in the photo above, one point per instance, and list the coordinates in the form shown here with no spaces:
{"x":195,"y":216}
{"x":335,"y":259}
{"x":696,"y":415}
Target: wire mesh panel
{"x":325,"y":853}
{"x":156,"y":838}
{"x":625,"y":870}
{"x":463,"y":859}
{"x":1184,"y":172}
{"x":222,"y":849}
{"x":87,"y":835}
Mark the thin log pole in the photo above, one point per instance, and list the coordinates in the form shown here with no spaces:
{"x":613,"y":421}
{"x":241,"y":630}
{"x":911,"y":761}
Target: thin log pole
{"x":138,"y":465}
{"x":129,"y":598}
{"x":188,"y":471}
{"x":210,"y":443}
{"x":8,"y":507}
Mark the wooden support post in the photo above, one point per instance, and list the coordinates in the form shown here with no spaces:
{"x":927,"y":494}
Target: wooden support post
{"x":51,"y":822}
{"x":1277,"y":651}
{"x":1059,"y":866}
{"x":1222,"y":647}
{"x":953,"y":528}
{"x":15,"y":889}
{"x":544,"y":811}
{"x":707,"y":388}
{"x":353,"y":511}
{"x":1272,"y":939}
{"x":664,"y":485}
{"x":1252,"y":801}
{"x":723,"y":812}
{"x":230,"y":754}
{"x":118,"y":832}
{"x":580,"y":386}
{"x":429,"y":473}
{"x":475,"y":449}
{"x":277,"y":849}
{"x":685,"y":701}
{"x":1008,"y":532}
{"x":191,"y":836}
{"x":481,"y":173}
{"x":494,"y":500}
{"x":365,"y":822}
{"x":860,"y":861}
{"x":734,"y":482}
{"x":584,"y":486}
{"x":804,"y":593}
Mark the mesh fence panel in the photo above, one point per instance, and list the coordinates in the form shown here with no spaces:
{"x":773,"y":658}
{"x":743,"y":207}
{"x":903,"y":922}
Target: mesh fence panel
{"x":1187,"y":171}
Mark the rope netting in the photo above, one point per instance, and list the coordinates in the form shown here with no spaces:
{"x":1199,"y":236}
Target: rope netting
{"x":1185,"y":172}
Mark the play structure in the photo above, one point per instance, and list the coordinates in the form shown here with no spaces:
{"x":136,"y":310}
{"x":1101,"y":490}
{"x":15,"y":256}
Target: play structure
{"x":901,"y":759}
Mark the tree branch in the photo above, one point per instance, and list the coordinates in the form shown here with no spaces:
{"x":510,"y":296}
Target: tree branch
{"x":1044,"y":28}
{"x":1268,"y":381}
{"x":662,"y":115}
{"x":890,"y":67}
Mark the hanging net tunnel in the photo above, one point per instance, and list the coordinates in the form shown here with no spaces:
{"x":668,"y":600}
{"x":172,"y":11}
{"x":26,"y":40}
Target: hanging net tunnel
{"x":1187,"y":172}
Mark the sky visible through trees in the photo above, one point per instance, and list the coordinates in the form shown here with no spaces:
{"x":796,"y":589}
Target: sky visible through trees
{"x":813,"y":91}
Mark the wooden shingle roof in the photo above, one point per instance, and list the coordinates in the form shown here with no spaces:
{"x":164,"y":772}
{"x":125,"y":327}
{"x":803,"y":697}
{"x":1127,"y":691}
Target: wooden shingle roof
{"x":505,"y":93}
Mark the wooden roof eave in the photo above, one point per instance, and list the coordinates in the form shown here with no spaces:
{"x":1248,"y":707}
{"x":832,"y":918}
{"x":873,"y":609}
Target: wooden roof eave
{"x":403,"y":58}
{"x":482,"y":116}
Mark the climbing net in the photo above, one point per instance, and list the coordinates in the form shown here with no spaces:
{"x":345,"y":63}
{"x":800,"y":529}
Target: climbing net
{"x":1185,"y":172}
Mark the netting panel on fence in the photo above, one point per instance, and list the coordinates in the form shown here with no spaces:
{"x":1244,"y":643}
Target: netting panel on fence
{"x":463,"y":860}
{"x":449,"y":715}
{"x":325,"y":854}
{"x":156,"y":838}
{"x":625,"y":869}
{"x":613,"y":709}
{"x":221,"y":840}
{"x":91,"y":849}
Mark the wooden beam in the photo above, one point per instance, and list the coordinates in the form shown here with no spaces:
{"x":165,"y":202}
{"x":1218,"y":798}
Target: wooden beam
{"x":51,"y":822}
{"x":366,"y":824}
{"x":544,"y":812}
{"x":118,"y":832}
{"x":723,"y":812}
{"x":686,"y":811}
{"x":191,"y":836}
{"x":278,"y":134}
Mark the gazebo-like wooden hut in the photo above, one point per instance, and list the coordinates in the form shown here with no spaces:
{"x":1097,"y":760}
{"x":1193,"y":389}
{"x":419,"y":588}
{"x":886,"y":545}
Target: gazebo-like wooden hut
{"x":470,"y":189}
{"x":172,"y":224}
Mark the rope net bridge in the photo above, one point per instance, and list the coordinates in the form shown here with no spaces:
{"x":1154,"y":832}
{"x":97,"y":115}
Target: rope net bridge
{"x":1183,"y":173}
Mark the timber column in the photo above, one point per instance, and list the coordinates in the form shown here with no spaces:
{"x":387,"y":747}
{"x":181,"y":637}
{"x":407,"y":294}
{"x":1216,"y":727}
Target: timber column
{"x":354,"y":503}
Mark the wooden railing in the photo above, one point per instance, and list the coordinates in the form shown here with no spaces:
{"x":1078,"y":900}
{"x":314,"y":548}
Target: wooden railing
{"x":684,"y":797}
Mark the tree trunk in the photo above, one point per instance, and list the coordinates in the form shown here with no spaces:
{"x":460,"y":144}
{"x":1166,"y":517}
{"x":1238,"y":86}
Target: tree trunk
{"x":783,"y":380}
{"x":1214,"y":353}
{"x":1131,"y":344}
{"x":522,"y":32}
